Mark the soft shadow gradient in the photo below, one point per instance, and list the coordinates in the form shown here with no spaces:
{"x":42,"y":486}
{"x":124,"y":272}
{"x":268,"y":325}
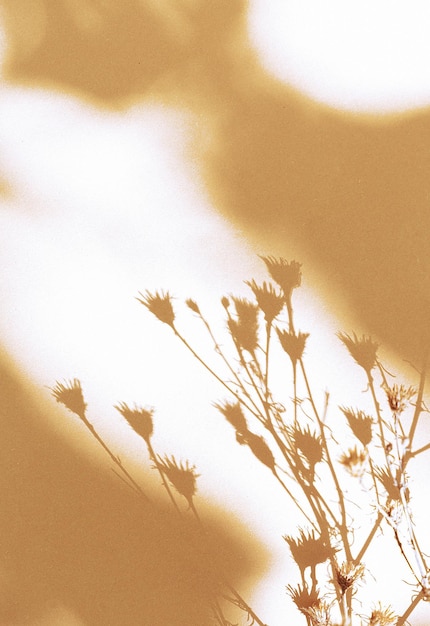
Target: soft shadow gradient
{"x":349,"y":194}
{"x":73,"y":535}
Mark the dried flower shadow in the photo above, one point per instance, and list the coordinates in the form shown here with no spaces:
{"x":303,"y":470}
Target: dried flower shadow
{"x":298,"y":450}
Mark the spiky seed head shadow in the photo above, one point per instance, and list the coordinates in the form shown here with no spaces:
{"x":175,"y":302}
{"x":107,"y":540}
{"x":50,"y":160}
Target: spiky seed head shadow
{"x":287,"y":274}
{"x":69,"y":393}
{"x":181,"y":475}
{"x":385,"y":477}
{"x":140,"y":419}
{"x":268,"y":299}
{"x":193,"y":306}
{"x":260,"y":449}
{"x":160,"y":305}
{"x":362,"y":349}
{"x":360,"y":424}
{"x":308,"y":443}
{"x":233,"y":413}
{"x":244,"y":330}
{"x":293,"y":344}
{"x":308,"y":550}
{"x":304,"y":598}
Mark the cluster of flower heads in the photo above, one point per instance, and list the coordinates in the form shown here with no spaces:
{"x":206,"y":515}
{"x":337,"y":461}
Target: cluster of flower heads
{"x":311,"y":605}
{"x":244,"y":329}
{"x":181,"y":475}
{"x":233,"y":413}
{"x":269,"y":300}
{"x":318,"y":610}
{"x":306,"y":447}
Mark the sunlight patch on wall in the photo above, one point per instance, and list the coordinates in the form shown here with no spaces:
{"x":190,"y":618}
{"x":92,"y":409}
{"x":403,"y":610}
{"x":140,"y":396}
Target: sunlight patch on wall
{"x":86,"y":229}
{"x":359,"y":56}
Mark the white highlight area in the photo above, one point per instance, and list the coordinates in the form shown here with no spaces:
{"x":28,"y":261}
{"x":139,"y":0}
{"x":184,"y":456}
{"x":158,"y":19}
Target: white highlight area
{"x":360,"y":56}
{"x":102,"y":205}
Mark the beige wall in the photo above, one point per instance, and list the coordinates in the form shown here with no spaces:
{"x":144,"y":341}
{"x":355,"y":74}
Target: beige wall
{"x":145,"y":146}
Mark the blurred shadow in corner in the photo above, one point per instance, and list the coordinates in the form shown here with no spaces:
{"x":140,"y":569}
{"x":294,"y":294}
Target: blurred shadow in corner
{"x":72,"y":536}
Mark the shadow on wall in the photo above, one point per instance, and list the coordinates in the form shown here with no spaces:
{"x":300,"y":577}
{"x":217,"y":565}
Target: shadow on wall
{"x":348,"y":193}
{"x":73,"y":536}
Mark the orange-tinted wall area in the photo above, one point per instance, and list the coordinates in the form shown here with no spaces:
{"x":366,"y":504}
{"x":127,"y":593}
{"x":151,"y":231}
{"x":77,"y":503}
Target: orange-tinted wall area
{"x":348,"y":193}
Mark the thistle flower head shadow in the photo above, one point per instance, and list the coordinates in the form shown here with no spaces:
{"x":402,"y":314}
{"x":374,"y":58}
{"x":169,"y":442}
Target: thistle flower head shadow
{"x":160,"y":305}
{"x":140,"y":419}
{"x":354,"y":461}
{"x":398,"y":396}
{"x":181,"y":475}
{"x":244,"y":329}
{"x":287,"y":274}
{"x":382,"y":616}
{"x":348,"y":574}
{"x":308,"y":443}
{"x":268,"y":299}
{"x":233,"y":413}
{"x":360,"y":424}
{"x":293,"y":344}
{"x":303,"y":598}
{"x":69,"y":393}
{"x":363,"y":350}
{"x":308,"y":550}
